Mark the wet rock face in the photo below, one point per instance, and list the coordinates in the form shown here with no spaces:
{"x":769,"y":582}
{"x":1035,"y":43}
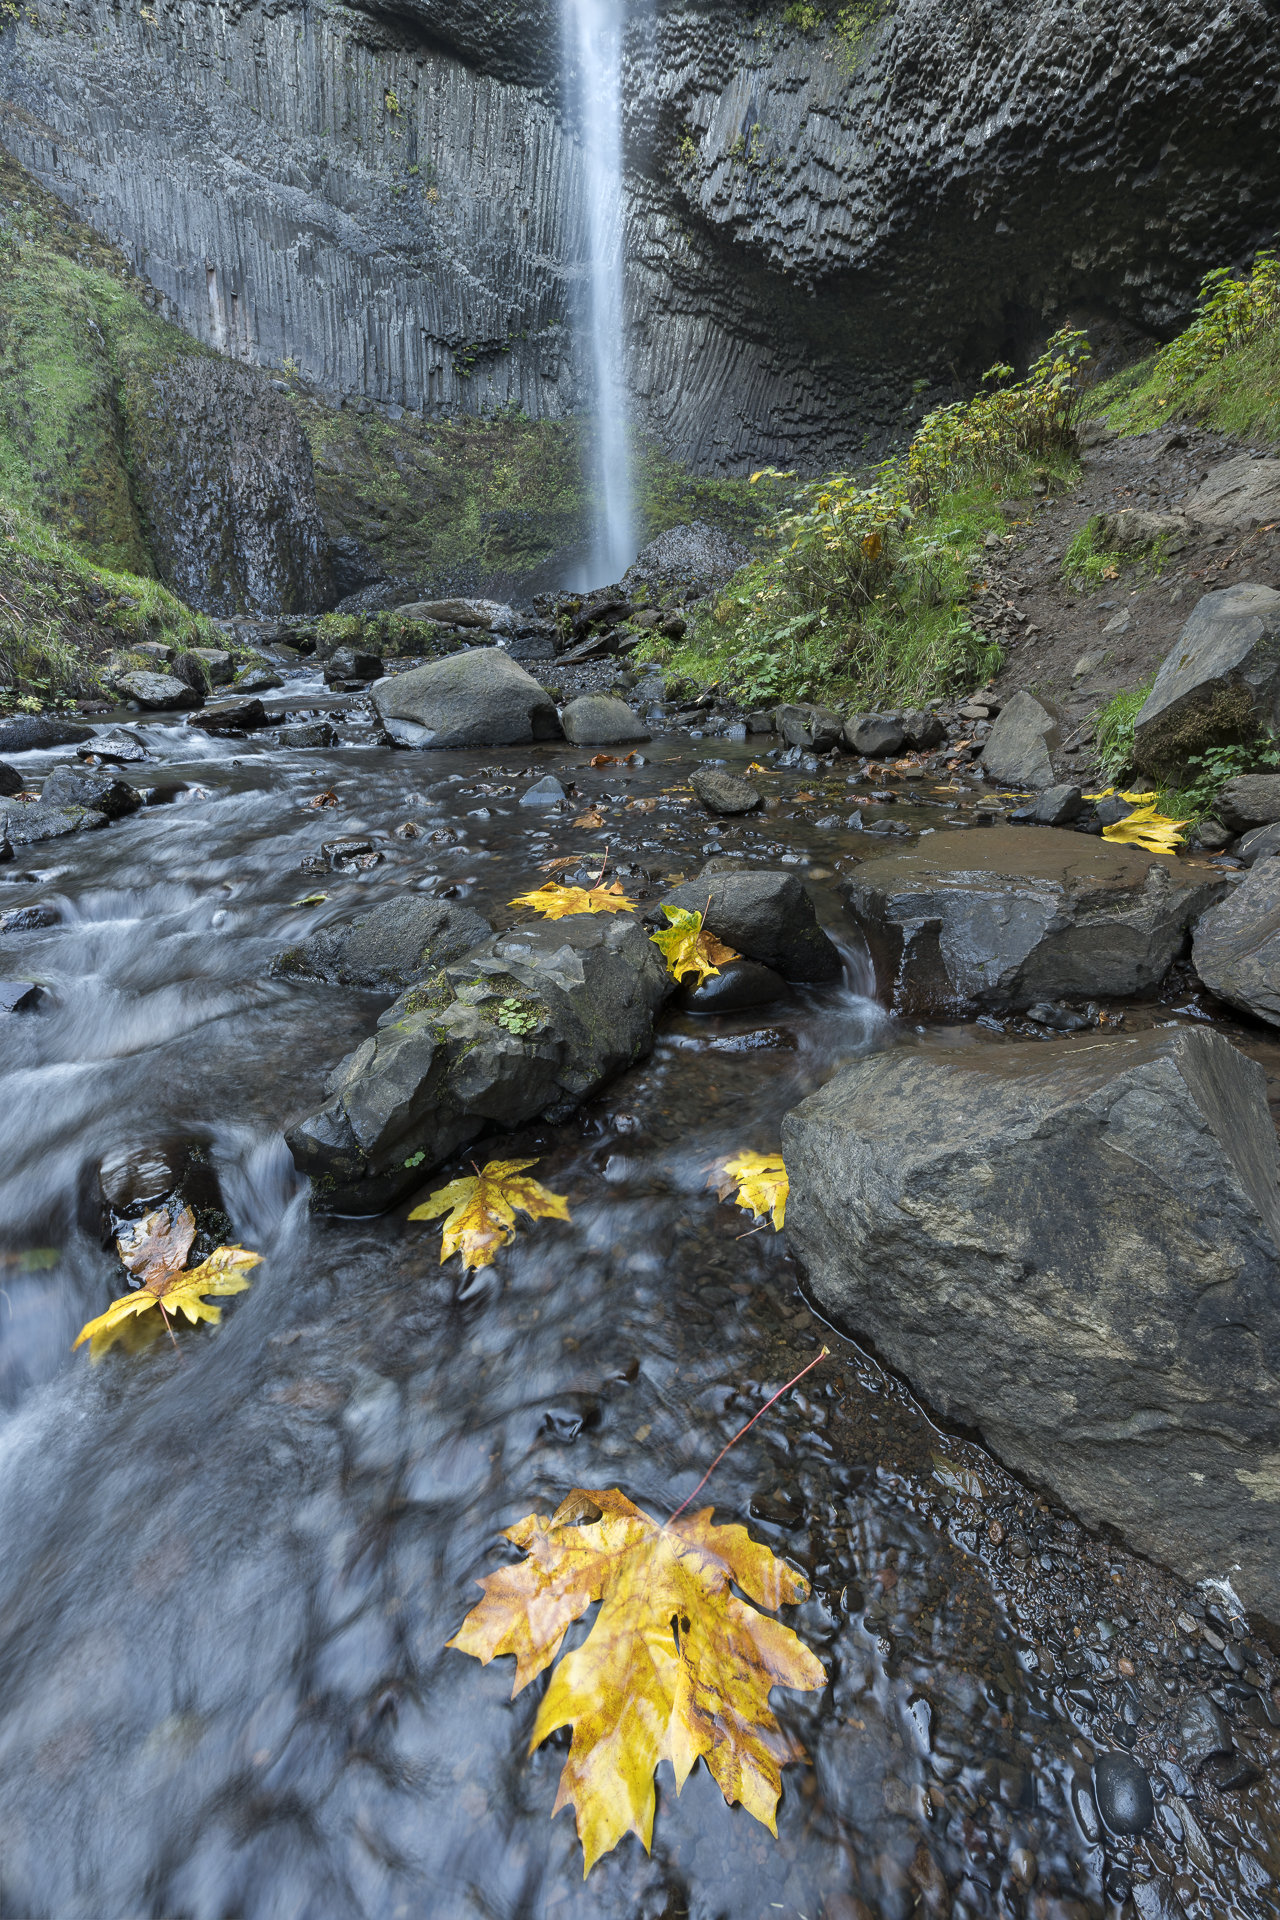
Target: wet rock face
{"x":764,"y":916}
{"x":226,"y":482}
{"x":1236,"y":950}
{"x":999,"y":922}
{"x":531,"y":1022}
{"x":932,"y":186}
{"x":1221,"y":679}
{"x":1073,"y":1247}
{"x":399,"y":943}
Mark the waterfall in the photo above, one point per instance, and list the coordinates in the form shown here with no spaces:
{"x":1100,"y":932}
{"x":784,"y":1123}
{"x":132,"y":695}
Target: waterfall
{"x":593,"y":31}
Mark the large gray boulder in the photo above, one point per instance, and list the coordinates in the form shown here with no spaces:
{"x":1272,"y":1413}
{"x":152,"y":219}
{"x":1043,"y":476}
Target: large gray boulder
{"x":31,"y":732}
{"x":1020,"y":743}
{"x":765,"y":916}
{"x":996,"y":922}
{"x":11,"y":781}
{"x":598,"y":720}
{"x":531,"y":1023}
{"x":1236,"y":950}
{"x":158,"y":692}
{"x":476,"y":699}
{"x":1222,"y":679}
{"x":392,"y":947}
{"x":1073,"y":1247}
{"x":76,"y":786}
{"x":805,"y":725}
{"x":26,"y":822}
{"x":1250,"y":800}
{"x":724,"y":792}
{"x":875,"y":734}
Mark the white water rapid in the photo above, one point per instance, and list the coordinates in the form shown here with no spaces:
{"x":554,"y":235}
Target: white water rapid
{"x":593,"y":32}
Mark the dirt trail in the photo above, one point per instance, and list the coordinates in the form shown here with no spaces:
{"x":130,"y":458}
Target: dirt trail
{"x":1047,"y":628}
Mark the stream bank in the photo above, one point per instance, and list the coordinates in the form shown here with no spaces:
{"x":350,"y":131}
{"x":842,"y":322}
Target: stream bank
{"x":287,"y":1517}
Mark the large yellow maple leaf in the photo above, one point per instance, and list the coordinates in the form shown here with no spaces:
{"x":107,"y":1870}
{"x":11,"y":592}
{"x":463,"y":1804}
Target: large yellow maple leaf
{"x":688,"y":948}
{"x":156,"y":1249}
{"x":557,"y":903}
{"x":1144,"y":827}
{"x":675,"y":1668}
{"x":482,"y":1210}
{"x":761,"y":1182}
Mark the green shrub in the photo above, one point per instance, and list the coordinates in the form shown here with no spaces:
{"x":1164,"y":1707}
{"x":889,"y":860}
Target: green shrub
{"x":1113,"y":730}
{"x":1208,"y":772}
{"x":1086,"y":564}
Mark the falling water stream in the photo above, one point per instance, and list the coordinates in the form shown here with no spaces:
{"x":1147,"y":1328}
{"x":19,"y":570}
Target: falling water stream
{"x":593,"y":34}
{"x":229,"y":1567}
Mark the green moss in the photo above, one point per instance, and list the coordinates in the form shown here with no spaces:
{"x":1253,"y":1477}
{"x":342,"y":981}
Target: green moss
{"x":388,"y":634}
{"x":78,"y":347}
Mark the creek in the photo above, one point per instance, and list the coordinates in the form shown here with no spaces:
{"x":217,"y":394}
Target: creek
{"x":230,"y":1565}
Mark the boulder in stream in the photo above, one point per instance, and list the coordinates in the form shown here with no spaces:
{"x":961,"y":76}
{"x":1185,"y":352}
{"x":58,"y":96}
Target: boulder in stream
{"x":805,"y":725}
{"x":1074,"y":1247}
{"x":994,"y":923}
{"x":27,"y":821}
{"x":598,"y":720}
{"x":476,"y":699}
{"x":1236,"y":950}
{"x":723,"y":792}
{"x":34,"y":732}
{"x":158,"y":692}
{"x":392,"y":947}
{"x":1250,"y":800}
{"x":241,"y":716}
{"x":74,"y":786}
{"x":529,"y":1024}
{"x":1018,"y":748}
{"x":763,"y":915}
{"x":11,"y":781}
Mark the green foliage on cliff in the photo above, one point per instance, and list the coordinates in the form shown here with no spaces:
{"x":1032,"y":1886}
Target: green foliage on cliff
{"x":78,"y":348}
{"x":61,"y":615}
{"x":866,"y":594}
{"x":1224,"y":369}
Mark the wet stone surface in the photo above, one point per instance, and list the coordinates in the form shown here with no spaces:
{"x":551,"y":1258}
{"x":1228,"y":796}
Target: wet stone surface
{"x":229,"y":1573}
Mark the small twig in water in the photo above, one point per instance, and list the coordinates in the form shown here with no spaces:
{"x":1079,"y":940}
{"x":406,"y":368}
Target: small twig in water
{"x":741,"y":1430}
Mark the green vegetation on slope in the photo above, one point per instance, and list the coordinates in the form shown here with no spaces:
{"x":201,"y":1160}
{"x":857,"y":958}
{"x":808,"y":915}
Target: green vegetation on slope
{"x":78,"y":348}
{"x":61,"y":616}
{"x":865,"y":594}
{"x":78,"y":345}
{"x":1223,"y":370}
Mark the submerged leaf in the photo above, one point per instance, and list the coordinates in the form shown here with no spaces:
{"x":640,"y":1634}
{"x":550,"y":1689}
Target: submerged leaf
{"x":686,"y":948}
{"x":156,"y":1249}
{"x":557,"y":903}
{"x":676,"y":1667}
{"x":762,"y":1184}
{"x":482,"y":1210}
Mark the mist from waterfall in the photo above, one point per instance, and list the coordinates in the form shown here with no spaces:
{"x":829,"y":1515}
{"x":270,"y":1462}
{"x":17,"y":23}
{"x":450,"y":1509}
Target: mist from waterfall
{"x":593,"y":32}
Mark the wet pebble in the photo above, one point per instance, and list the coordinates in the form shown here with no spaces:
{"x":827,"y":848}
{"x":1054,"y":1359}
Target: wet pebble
{"x":1123,"y":1793}
{"x":1203,"y":1728}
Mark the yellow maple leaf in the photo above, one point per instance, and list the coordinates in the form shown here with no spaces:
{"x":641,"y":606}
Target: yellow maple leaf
{"x":555,"y":902}
{"x":482,"y":1210}
{"x":686,"y":948}
{"x":761,"y":1182}
{"x":675,"y":1667}
{"x":1146,"y":828}
{"x":156,"y":1249}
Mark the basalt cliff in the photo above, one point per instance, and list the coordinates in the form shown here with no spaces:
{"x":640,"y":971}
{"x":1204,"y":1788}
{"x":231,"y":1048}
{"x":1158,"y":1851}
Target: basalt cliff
{"x":829,"y":227}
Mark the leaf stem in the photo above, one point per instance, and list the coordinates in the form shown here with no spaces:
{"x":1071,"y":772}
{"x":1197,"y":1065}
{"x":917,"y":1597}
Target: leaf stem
{"x":741,"y":1430}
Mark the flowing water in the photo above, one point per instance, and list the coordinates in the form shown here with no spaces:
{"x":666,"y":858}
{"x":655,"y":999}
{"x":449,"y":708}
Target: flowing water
{"x":230,"y":1564}
{"x":593,"y":32}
